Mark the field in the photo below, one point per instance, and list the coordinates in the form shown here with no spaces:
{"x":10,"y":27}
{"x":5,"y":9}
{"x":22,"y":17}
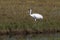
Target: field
{"x":14,"y":14}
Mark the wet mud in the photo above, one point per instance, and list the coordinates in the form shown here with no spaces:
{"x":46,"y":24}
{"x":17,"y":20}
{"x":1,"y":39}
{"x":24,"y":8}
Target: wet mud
{"x":26,"y":32}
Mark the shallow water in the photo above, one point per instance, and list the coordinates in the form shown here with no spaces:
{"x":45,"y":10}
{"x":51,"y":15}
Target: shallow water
{"x":31,"y":37}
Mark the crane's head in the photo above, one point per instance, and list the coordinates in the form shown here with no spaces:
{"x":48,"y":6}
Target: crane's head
{"x":30,"y":11}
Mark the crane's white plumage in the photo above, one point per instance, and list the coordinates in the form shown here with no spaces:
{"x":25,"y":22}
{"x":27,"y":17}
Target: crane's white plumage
{"x":35,"y":15}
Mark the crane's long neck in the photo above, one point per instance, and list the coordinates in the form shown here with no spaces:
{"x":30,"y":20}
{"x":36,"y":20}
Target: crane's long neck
{"x":30,"y":11}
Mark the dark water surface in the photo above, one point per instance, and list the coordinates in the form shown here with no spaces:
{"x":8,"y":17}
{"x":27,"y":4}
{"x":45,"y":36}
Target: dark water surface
{"x":31,"y":37}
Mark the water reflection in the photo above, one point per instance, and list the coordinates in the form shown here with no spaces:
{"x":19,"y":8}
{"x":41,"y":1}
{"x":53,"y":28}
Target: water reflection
{"x":11,"y":38}
{"x":31,"y":37}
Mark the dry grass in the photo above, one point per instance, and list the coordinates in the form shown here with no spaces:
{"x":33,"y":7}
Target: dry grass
{"x":14,"y":14}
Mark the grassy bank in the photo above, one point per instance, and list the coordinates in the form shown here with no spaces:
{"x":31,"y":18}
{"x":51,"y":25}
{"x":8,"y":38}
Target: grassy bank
{"x":14,"y":14}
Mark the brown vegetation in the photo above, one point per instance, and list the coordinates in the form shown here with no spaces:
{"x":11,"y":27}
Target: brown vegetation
{"x":14,"y":14}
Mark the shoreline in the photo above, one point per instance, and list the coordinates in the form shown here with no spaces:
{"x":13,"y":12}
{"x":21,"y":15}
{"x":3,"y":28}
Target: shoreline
{"x":26,"y":32}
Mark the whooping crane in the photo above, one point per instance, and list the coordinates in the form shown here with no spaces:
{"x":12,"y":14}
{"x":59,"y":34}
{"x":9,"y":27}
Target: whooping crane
{"x":35,"y":15}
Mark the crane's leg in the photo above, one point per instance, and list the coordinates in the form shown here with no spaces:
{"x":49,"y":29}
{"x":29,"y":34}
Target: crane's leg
{"x":35,"y":19}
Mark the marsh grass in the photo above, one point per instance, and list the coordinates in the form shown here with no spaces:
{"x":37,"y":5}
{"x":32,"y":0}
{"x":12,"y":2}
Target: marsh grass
{"x":14,"y":14}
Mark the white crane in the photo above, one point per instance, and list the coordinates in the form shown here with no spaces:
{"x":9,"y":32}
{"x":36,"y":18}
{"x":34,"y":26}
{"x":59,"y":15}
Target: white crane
{"x":35,"y":15}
